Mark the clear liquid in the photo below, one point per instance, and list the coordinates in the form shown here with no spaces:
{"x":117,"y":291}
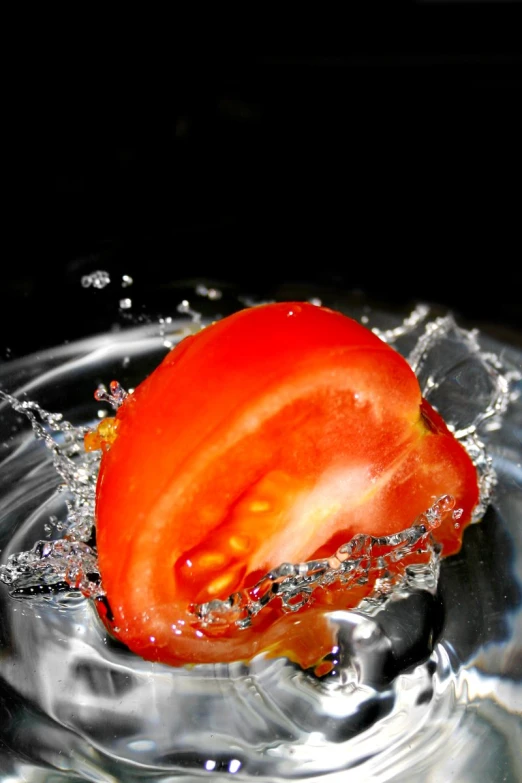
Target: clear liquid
{"x":425,"y":684}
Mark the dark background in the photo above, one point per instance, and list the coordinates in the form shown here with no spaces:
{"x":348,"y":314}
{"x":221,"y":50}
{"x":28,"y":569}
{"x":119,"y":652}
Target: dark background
{"x":392,"y":167}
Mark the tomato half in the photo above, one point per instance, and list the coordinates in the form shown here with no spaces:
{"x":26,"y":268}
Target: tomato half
{"x":271,"y":436}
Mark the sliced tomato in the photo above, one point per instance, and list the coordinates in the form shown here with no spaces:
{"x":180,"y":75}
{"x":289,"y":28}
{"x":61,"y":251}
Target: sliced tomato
{"x":271,"y":436}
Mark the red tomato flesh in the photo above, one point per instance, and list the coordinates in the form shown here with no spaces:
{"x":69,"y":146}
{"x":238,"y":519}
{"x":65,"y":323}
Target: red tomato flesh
{"x":271,"y":436}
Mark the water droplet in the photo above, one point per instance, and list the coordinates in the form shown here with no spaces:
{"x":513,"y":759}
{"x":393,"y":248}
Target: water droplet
{"x":98,"y":279}
{"x":211,"y":293}
{"x":184,"y":307}
{"x":115,"y":397}
{"x":101,"y":394}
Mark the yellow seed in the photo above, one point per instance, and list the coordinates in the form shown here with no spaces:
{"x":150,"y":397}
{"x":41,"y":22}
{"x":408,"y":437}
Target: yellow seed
{"x":239,"y":543}
{"x":259,"y":505}
{"x":103,"y":436}
{"x":108,"y":428}
{"x":92,"y":441}
{"x":210,"y":559}
{"x":220,"y":584}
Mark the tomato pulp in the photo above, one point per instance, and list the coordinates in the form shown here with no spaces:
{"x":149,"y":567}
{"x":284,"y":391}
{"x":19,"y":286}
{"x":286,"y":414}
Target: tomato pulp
{"x":271,"y":436}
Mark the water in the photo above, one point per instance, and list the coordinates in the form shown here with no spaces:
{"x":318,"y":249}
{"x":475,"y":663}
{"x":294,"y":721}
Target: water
{"x":424,"y":685}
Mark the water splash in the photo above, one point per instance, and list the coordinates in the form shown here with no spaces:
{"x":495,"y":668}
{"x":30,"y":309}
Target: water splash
{"x":115,"y":397}
{"x":417,"y":316}
{"x":77,"y":469}
{"x":396,"y":704}
{"x":66,"y":563}
{"x":353,"y":564}
{"x":471,"y":389}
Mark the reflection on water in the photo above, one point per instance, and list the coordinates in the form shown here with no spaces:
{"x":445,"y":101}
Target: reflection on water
{"x":427,"y":685}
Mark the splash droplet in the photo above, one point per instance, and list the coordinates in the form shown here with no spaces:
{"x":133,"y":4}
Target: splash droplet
{"x":98,"y":279}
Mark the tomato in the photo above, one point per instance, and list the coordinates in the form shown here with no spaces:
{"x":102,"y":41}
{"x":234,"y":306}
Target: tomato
{"x":271,"y":436}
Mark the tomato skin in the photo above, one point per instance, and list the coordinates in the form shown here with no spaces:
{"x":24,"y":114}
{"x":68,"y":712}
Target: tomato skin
{"x":270,"y":436}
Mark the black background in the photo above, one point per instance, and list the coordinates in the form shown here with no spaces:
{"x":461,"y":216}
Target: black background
{"x":392,"y":167}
